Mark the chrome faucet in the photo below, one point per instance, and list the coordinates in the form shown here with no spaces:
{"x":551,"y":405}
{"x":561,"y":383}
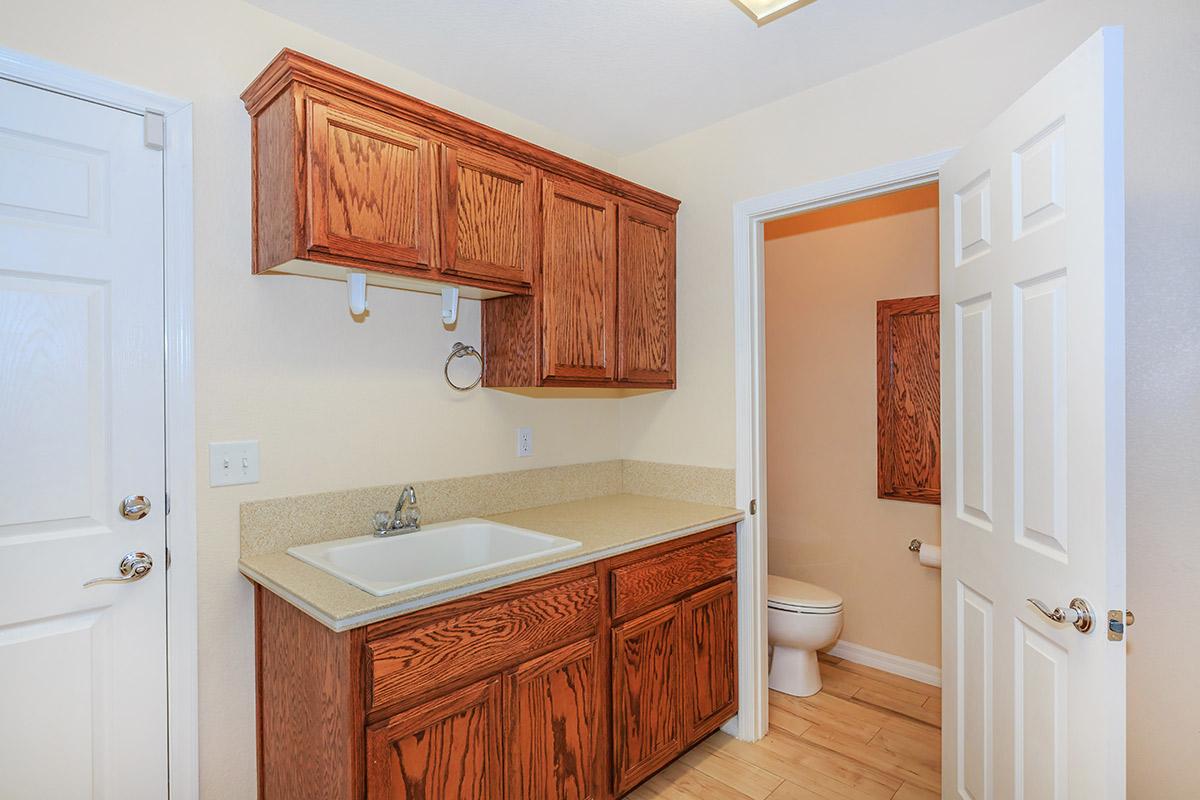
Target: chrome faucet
{"x":405,"y":519}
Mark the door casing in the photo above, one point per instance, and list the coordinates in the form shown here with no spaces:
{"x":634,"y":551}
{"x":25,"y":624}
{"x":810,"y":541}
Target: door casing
{"x":183,"y":717}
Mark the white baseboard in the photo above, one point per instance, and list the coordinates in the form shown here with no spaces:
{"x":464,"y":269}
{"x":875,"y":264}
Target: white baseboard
{"x":906,"y":667}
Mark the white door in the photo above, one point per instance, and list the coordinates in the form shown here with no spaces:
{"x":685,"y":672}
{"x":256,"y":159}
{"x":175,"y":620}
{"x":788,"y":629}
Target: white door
{"x":1033,"y":421}
{"x":82,"y":670}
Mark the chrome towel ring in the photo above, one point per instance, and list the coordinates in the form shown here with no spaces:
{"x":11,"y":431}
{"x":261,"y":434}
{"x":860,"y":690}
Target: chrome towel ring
{"x":461,"y":350}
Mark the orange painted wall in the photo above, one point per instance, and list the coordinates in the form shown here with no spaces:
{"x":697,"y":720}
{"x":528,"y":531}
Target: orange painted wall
{"x":824,"y":272}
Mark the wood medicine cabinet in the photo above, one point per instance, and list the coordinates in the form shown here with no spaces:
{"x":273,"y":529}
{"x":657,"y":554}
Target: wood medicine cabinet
{"x":909,"y":423}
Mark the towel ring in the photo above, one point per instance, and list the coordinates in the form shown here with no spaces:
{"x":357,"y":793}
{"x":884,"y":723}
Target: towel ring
{"x":461,"y":350}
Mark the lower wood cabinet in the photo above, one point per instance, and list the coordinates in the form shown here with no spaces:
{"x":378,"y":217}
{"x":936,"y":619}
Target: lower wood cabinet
{"x":647,"y":729}
{"x":542,"y":690}
{"x":674,"y":675}
{"x":448,"y":747}
{"x":708,"y":623}
{"x":551,"y":705}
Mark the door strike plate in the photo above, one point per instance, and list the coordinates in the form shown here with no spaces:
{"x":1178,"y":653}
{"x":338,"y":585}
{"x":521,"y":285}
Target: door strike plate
{"x":1118,"y":621}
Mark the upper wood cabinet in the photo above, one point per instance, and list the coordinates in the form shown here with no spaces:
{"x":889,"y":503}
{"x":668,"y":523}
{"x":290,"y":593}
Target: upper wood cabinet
{"x":646,"y":296}
{"x":909,"y":424}
{"x":579,"y":282}
{"x":576,"y":266}
{"x":607,"y":288}
{"x":368,"y":185}
{"x":487,"y":216}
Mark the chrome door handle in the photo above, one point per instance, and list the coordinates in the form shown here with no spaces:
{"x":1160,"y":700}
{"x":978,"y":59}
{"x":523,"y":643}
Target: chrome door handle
{"x":134,"y":567}
{"x":1078,"y":613}
{"x":135,"y":506}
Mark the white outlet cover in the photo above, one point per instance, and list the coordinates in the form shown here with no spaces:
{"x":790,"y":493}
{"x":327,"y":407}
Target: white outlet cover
{"x":524,"y":442}
{"x":231,"y":463}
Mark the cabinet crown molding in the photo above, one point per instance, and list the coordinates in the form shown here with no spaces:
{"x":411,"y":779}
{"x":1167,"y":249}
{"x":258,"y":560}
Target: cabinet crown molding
{"x":291,"y":67}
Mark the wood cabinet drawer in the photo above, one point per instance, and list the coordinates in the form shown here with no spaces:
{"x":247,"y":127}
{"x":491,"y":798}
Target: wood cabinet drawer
{"x":645,"y":584}
{"x":415,"y":661}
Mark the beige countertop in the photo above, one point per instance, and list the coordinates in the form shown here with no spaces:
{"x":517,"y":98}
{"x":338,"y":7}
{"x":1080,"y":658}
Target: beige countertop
{"x":606,"y":526}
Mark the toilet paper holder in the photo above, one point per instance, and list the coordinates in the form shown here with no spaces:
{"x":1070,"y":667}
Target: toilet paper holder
{"x":915,"y":545}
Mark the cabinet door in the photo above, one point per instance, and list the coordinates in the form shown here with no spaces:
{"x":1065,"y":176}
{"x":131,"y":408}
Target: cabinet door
{"x":579,"y":281}
{"x":646,"y":692}
{"x":487,"y":212}
{"x":441,"y":750}
{"x":369,"y":186}
{"x":550,"y":706}
{"x":709,"y":630}
{"x":646,"y":308}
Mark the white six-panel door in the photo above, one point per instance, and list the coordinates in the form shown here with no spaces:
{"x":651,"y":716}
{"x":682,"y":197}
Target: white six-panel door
{"x":1032,"y":277}
{"x":82,"y":670}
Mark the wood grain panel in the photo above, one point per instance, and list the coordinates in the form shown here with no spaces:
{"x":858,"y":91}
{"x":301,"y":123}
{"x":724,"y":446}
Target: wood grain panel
{"x":550,"y":703}
{"x":446,"y":748}
{"x":277,"y":175}
{"x":646,"y":296}
{"x":370,"y":191}
{"x":422,"y":659}
{"x":654,"y":581}
{"x":512,"y":339}
{"x":709,"y":633}
{"x":579,"y":282}
{"x":310,"y":709}
{"x":487,"y":216}
{"x":909,"y":424}
{"x":647,"y":729}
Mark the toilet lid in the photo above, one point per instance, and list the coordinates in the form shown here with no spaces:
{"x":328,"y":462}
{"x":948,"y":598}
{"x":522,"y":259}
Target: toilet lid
{"x":798,"y":594}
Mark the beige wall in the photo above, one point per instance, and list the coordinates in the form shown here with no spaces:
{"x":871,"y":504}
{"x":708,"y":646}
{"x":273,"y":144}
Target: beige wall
{"x":824,"y":272}
{"x":935,"y":98}
{"x":334,"y":403}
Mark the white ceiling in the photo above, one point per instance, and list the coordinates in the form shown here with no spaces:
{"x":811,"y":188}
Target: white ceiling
{"x":625,"y":74}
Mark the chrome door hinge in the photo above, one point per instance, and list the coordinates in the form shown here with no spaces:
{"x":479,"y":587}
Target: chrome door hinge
{"x":753,"y":507}
{"x":1118,"y":621}
{"x":155,"y":126}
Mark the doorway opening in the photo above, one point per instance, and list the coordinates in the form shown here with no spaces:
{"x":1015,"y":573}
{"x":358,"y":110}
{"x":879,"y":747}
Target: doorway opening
{"x":749,"y":221}
{"x":851,"y":396}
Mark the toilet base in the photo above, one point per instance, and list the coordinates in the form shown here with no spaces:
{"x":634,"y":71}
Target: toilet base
{"x":794,"y":672}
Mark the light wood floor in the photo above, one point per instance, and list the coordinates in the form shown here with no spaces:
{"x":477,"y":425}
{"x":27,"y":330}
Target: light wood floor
{"x":866,"y":735}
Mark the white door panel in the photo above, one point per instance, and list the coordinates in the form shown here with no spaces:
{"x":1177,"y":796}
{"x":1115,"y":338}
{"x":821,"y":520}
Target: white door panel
{"x":1033,"y":413}
{"x":82,"y":670}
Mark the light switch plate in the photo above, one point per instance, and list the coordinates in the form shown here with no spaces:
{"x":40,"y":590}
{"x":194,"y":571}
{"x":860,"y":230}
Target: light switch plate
{"x":231,"y":463}
{"x":524,"y":442}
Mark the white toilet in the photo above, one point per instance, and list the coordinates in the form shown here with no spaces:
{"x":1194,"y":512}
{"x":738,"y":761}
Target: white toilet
{"x":801,"y":619}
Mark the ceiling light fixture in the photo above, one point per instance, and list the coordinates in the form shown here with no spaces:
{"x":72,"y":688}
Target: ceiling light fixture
{"x":764,"y":11}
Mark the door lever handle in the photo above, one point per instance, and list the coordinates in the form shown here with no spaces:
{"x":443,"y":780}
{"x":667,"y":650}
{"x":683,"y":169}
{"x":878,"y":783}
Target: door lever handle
{"x":134,"y":567}
{"x":1078,"y":613}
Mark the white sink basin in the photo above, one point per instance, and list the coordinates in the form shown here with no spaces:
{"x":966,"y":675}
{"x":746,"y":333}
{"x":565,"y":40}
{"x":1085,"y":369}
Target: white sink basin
{"x":385,"y":565}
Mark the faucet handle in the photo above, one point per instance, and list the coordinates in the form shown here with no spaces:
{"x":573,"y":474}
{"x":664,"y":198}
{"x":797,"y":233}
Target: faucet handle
{"x":383,"y":521}
{"x":412,"y":516}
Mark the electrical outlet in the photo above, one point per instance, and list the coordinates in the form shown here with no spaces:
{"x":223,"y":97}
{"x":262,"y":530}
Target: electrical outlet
{"x":231,"y":463}
{"x":524,"y":442}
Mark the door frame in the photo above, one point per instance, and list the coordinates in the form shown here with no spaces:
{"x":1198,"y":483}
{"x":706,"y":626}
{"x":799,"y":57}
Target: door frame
{"x":178,"y":267}
{"x":750,"y":400}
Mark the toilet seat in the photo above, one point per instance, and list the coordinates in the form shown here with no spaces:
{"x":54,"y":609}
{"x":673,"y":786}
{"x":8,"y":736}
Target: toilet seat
{"x":798,"y":597}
